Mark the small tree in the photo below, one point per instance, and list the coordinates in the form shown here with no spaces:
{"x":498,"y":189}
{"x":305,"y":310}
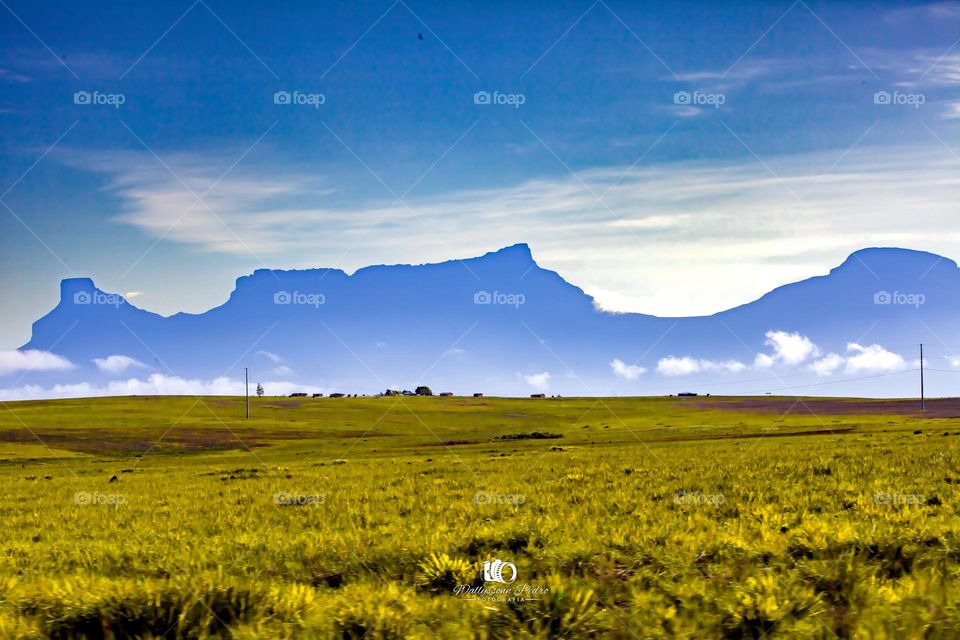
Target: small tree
{"x":259,"y":390}
{"x":423,"y":391}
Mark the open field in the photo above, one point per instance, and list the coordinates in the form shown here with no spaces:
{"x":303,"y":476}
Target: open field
{"x":366,"y":517}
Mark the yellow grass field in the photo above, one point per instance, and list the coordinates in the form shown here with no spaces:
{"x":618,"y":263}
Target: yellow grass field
{"x":373,"y":517}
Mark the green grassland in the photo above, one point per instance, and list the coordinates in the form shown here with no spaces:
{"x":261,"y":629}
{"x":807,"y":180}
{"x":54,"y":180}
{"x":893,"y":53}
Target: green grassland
{"x":365,"y":517}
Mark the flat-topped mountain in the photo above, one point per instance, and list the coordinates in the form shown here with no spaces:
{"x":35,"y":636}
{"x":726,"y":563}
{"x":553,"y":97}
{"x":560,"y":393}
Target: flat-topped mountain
{"x":497,"y":323}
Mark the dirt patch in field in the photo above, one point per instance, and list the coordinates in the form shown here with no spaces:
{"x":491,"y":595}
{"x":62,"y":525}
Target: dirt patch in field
{"x":175,"y":440}
{"x":936,"y":408}
{"x":767,"y":434}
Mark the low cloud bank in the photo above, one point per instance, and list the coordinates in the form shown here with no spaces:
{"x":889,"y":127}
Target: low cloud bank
{"x":155,"y":384}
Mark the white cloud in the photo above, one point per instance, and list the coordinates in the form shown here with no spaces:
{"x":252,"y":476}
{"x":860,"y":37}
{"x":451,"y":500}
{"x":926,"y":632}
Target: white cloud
{"x":954,"y":362}
{"x":732,"y":366}
{"x":862,"y":359}
{"x":32,"y":360}
{"x":714,"y":234}
{"x":156,"y":384}
{"x":873,"y":359}
{"x":790,"y":348}
{"x":116,"y":363}
{"x":272,"y":357}
{"x":828,"y":364}
{"x":626,"y":371}
{"x":539,"y":381}
{"x":763,"y":361}
{"x":282,"y":370}
{"x":130,"y":295}
{"x":673,"y":366}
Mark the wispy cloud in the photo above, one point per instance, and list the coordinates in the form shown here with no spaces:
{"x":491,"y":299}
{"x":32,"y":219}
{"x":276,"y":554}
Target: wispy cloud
{"x":539,"y":381}
{"x":32,"y":360}
{"x":862,"y":359}
{"x":156,"y":384}
{"x":788,"y":348}
{"x":714,"y":234}
{"x":12,"y":76}
{"x":682,"y":366}
{"x":117,"y":363}
{"x":626,"y":371}
{"x":269,"y":355}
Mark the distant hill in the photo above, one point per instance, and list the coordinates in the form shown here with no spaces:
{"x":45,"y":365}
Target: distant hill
{"x":500,"y":324}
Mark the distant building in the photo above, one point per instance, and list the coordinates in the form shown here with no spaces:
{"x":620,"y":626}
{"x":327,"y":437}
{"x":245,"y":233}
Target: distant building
{"x":538,"y":395}
{"x":446,"y":394}
{"x":336,"y":395}
{"x":686,"y":394}
{"x":478,"y":395}
{"x":298,"y":395}
{"x":318,"y":395}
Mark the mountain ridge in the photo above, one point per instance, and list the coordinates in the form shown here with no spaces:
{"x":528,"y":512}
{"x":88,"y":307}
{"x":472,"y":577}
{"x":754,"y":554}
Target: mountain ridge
{"x":69,"y":286}
{"x":500,"y":322}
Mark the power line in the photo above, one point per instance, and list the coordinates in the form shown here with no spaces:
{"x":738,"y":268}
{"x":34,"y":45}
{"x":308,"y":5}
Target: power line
{"x":834,"y":382}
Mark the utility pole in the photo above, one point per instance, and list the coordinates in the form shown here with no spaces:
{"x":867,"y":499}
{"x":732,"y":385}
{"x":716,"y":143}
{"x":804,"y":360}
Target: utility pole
{"x":246,"y":389}
{"x":923,"y":403}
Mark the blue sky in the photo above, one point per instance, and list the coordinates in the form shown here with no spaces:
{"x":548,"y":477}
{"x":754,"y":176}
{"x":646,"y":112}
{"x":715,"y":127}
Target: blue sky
{"x":668,"y":158}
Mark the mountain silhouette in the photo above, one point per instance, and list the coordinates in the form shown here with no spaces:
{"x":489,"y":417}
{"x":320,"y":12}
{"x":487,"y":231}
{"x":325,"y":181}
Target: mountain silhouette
{"x":498,"y":322}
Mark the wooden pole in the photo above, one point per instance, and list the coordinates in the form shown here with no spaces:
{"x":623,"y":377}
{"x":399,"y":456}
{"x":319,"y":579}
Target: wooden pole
{"x":923,"y":402}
